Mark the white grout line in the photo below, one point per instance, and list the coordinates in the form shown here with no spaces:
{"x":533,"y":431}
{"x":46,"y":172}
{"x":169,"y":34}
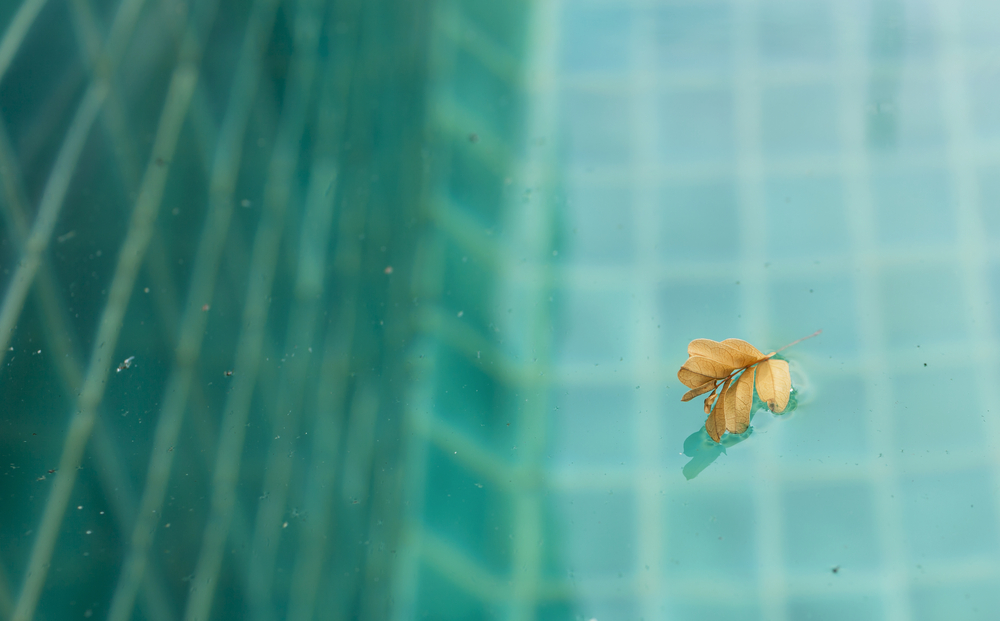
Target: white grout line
{"x":533,"y":222}
{"x":871,"y":321}
{"x":771,"y":579}
{"x":974,"y":256}
{"x":651,"y":527}
{"x":18,"y":28}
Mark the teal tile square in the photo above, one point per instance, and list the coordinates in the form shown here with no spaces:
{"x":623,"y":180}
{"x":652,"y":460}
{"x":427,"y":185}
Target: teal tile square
{"x":827,"y":525}
{"x":685,"y":206}
{"x":950,"y":517}
{"x":486,"y":95}
{"x":902,"y":34}
{"x":470,"y":397}
{"x":968,"y":600}
{"x":994,"y":297}
{"x":790,"y":31}
{"x":710,"y":535}
{"x":829,"y":425}
{"x":806,"y":218}
{"x":799,"y":119}
{"x":722,"y":607}
{"x":934,"y":409}
{"x":596,"y":128}
{"x":596,"y":37}
{"x":598,"y":225}
{"x":594,"y":326}
{"x":592,"y":426}
{"x":913,"y":207}
{"x":923,"y":306}
{"x":988,"y":179}
{"x":588,"y":606}
{"x":693,"y":36}
{"x":984,"y":93}
{"x":905,"y":114}
{"x":506,"y":23}
{"x":978,"y":20}
{"x":799,"y":305}
{"x":596,"y":535}
{"x":439,"y":596}
{"x":688,"y":311}
{"x":471,"y":513}
{"x":856,"y":607}
{"x":696,"y":125}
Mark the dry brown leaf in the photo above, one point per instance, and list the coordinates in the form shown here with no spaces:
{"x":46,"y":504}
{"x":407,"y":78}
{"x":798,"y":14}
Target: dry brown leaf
{"x":739,"y":400}
{"x":693,"y":380}
{"x":708,"y":367}
{"x":774,"y":384}
{"x":716,"y":423}
{"x":709,"y":402}
{"x":710,"y":363}
{"x":733,"y":353}
{"x":700,"y":390}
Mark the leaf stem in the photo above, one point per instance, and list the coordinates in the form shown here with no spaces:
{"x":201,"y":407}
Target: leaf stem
{"x":816,"y":333}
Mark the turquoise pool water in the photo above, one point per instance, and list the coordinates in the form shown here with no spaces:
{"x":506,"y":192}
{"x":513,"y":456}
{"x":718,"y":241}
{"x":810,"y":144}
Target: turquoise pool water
{"x":343,"y":309}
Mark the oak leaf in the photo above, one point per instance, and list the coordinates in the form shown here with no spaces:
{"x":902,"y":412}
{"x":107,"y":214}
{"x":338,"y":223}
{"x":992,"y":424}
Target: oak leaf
{"x":713,"y":363}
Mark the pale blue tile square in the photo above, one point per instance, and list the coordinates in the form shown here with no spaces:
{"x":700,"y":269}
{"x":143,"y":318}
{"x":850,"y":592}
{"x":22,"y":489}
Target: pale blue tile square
{"x":596,"y":128}
{"x":829,"y":426}
{"x":695,"y":36}
{"x":938,"y":318}
{"x":800,"y":119}
{"x":710,"y":535}
{"x":596,"y":535}
{"x":968,"y":600}
{"x":984,"y":95}
{"x":690,"y":311}
{"x":596,"y":37}
{"x":599,"y":225}
{"x":798,"y":306}
{"x":806,"y":218}
{"x":914,"y":207}
{"x":696,"y":125}
{"x":856,"y":607}
{"x":594,"y":326}
{"x":686,"y":207}
{"x":989,"y":202}
{"x":926,"y":423}
{"x":722,"y":607}
{"x":905,"y":113}
{"x":796,"y":31}
{"x":592,"y":426}
{"x":830,"y":524}
{"x":950,"y":517}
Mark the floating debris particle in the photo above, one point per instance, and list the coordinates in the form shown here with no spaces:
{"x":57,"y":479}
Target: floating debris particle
{"x":228,"y":373}
{"x":66,"y":236}
{"x":388,"y":269}
{"x":473,"y":138}
{"x":205,"y":308}
{"x":126,"y":364}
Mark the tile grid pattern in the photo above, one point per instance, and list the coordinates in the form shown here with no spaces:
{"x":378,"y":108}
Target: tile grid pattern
{"x":870,"y":263}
